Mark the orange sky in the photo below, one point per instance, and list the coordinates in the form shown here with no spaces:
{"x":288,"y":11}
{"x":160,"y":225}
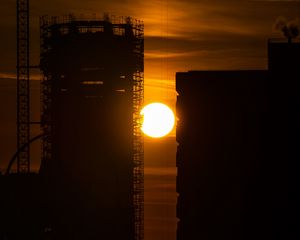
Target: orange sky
{"x":180,"y":35}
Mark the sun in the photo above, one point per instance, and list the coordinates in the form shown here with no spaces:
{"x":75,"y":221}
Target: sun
{"x":158,"y":121}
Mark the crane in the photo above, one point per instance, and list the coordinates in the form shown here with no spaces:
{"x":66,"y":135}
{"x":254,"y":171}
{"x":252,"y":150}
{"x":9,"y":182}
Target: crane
{"x":23,"y":86}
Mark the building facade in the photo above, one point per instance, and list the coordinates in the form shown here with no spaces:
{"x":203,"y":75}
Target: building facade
{"x":236,"y":134}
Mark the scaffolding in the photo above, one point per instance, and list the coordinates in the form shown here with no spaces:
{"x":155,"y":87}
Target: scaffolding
{"x":23,"y":88}
{"x":126,"y":27}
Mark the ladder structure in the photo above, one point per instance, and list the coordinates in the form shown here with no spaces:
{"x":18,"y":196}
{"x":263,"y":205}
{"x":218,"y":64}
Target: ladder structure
{"x":138,"y":143}
{"x":23,"y":88}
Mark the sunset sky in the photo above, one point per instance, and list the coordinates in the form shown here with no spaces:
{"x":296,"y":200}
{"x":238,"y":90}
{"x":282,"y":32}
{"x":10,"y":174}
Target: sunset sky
{"x":179,"y":36}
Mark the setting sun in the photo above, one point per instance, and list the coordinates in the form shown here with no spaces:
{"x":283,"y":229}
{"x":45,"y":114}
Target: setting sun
{"x":158,"y":121}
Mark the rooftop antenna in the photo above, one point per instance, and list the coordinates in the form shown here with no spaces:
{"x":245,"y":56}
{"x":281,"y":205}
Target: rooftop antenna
{"x":290,"y":29}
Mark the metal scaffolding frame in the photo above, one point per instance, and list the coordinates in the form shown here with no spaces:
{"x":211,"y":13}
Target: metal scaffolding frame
{"x":23,"y":87}
{"x":138,"y":144}
{"x":119,"y":26}
{"x":46,"y":97}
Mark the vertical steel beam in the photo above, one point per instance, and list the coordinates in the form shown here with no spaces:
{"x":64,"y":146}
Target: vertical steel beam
{"x":23,"y":97}
{"x":138,"y":143}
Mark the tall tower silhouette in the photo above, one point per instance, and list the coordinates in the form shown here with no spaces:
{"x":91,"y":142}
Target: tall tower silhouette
{"x":92,"y":160}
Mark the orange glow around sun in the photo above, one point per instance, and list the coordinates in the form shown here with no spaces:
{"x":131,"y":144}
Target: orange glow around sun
{"x":159,"y":120}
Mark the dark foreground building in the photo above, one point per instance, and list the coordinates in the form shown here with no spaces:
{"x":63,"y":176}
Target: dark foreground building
{"x":90,"y":184}
{"x":236,"y":150}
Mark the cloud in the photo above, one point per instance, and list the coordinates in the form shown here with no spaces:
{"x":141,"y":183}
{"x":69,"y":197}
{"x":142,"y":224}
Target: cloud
{"x":285,"y":0}
{"x":8,"y":76}
{"x":179,"y":35}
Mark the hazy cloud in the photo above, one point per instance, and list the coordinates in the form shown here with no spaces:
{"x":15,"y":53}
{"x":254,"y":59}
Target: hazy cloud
{"x":179,"y":36}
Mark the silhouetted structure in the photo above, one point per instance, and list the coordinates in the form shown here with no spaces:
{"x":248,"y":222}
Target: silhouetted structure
{"x":23,"y":88}
{"x":90,"y":184}
{"x":236,"y":134}
{"x":92,"y":151}
{"x":22,"y":207}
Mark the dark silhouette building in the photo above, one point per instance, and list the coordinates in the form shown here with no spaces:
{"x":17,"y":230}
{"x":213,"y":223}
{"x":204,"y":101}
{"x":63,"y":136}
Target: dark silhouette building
{"x":236,"y":133}
{"x":90,"y":184}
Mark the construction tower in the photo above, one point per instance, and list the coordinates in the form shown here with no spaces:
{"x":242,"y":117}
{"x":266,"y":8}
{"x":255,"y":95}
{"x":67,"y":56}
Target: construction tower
{"x":23,"y":88}
{"x":92,"y":94}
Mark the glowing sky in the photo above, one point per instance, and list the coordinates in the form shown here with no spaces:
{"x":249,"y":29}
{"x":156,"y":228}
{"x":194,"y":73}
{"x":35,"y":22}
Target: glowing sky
{"x":180,"y":35}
